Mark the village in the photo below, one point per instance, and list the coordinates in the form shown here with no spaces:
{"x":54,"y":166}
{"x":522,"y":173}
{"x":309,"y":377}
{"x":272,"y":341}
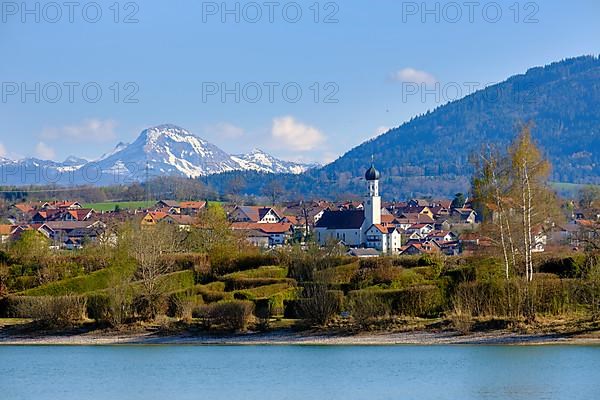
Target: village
{"x":367,"y":228}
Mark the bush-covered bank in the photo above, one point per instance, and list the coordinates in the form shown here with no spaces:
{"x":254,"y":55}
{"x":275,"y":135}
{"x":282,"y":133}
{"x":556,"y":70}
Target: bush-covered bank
{"x":314,"y":287}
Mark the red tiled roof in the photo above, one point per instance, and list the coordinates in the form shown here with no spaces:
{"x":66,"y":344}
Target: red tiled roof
{"x":196,"y":205}
{"x":387,"y":219}
{"x":157,"y":215}
{"x":292,"y":219}
{"x":25,"y":207}
{"x":80,"y":214}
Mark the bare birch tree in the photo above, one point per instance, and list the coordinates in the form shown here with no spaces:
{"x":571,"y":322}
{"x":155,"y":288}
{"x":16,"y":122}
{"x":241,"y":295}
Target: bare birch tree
{"x":513,"y":193}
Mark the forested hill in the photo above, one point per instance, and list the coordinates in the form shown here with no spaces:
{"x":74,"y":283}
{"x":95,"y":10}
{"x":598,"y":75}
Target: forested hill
{"x":430,"y":154}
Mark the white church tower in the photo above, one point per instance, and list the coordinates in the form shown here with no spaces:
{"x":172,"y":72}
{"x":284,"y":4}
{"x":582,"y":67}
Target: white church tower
{"x":372,"y":204}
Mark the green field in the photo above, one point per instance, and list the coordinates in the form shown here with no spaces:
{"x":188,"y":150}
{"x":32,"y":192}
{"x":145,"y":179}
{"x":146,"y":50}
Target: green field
{"x":110,"y":205}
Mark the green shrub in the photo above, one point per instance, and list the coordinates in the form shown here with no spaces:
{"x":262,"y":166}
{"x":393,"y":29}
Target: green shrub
{"x":262,"y":311}
{"x":22,"y":283}
{"x":82,"y":284}
{"x":365,"y":305}
{"x":4,"y":307}
{"x":53,"y":311}
{"x":181,"y":304}
{"x":261,"y":292}
{"x":569,"y":267}
{"x":303,"y":265}
{"x":177,"y":281}
{"x":546,"y":294}
{"x":274,"y":272}
{"x":386,"y":277}
{"x":146,"y":307}
{"x":292,"y":309}
{"x":276,"y":301}
{"x":98,"y":307}
{"x":461,"y":274}
{"x":4,"y":257}
{"x":406,"y":261}
{"x":186,"y":261}
{"x":342,"y":274}
{"x":375,"y":262}
{"x":319,"y":305}
{"x":226,"y":265}
{"x":212,"y":292}
{"x":232,"y":284}
{"x":228,"y":315}
{"x":417,"y":301}
{"x":214,"y":286}
{"x":213,"y":297}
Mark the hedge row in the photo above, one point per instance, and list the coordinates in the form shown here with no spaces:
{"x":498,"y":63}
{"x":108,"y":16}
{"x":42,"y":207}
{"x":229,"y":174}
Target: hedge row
{"x":49,"y":310}
{"x":275,"y":272}
{"x":242,"y":263}
{"x":229,"y":315}
{"x":261,"y":292}
{"x":82,"y":284}
{"x":232,"y":284}
{"x":417,"y":301}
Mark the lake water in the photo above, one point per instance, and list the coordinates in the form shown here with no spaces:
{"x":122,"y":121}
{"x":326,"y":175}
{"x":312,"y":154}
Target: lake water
{"x":299,"y":372}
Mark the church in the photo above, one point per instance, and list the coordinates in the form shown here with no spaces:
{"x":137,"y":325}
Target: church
{"x":360,"y":228}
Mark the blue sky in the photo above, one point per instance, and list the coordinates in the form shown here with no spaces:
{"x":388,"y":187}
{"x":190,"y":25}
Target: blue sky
{"x":167,"y":62}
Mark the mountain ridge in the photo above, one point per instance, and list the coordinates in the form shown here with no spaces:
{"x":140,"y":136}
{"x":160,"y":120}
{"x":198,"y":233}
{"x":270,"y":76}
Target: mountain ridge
{"x":161,"y":150}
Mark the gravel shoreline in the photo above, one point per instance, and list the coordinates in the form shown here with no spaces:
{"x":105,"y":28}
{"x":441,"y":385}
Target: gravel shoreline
{"x":295,"y":338}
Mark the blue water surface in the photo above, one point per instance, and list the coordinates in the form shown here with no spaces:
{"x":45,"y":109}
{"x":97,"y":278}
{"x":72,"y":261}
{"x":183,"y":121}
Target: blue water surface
{"x":299,"y":372}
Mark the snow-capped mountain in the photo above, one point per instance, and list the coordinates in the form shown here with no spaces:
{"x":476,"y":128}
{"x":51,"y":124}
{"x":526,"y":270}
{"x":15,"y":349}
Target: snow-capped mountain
{"x":74,"y":161}
{"x":158,"y":151}
{"x":168,"y":150}
{"x":120,"y":146}
{"x":258,"y":160}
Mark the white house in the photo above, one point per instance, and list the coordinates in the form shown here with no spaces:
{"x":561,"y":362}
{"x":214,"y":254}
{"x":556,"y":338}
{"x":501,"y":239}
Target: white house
{"x":261,"y":215}
{"x":422,"y":230}
{"x":442,"y":236}
{"x":386,"y":239}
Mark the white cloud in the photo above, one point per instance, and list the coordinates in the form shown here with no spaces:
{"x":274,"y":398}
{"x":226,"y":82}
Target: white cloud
{"x":225,"y":130}
{"x":411,"y":75}
{"x":45,"y":152}
{"x":89,"y":130}
{"x":2,"y":150}
{"x":298,"y":136}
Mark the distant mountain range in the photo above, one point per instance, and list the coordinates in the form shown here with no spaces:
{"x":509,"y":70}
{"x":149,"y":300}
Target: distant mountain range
{"x":165,"y":150}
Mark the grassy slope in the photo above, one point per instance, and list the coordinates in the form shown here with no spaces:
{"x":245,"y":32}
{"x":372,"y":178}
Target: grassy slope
{"x":110,"y":205}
